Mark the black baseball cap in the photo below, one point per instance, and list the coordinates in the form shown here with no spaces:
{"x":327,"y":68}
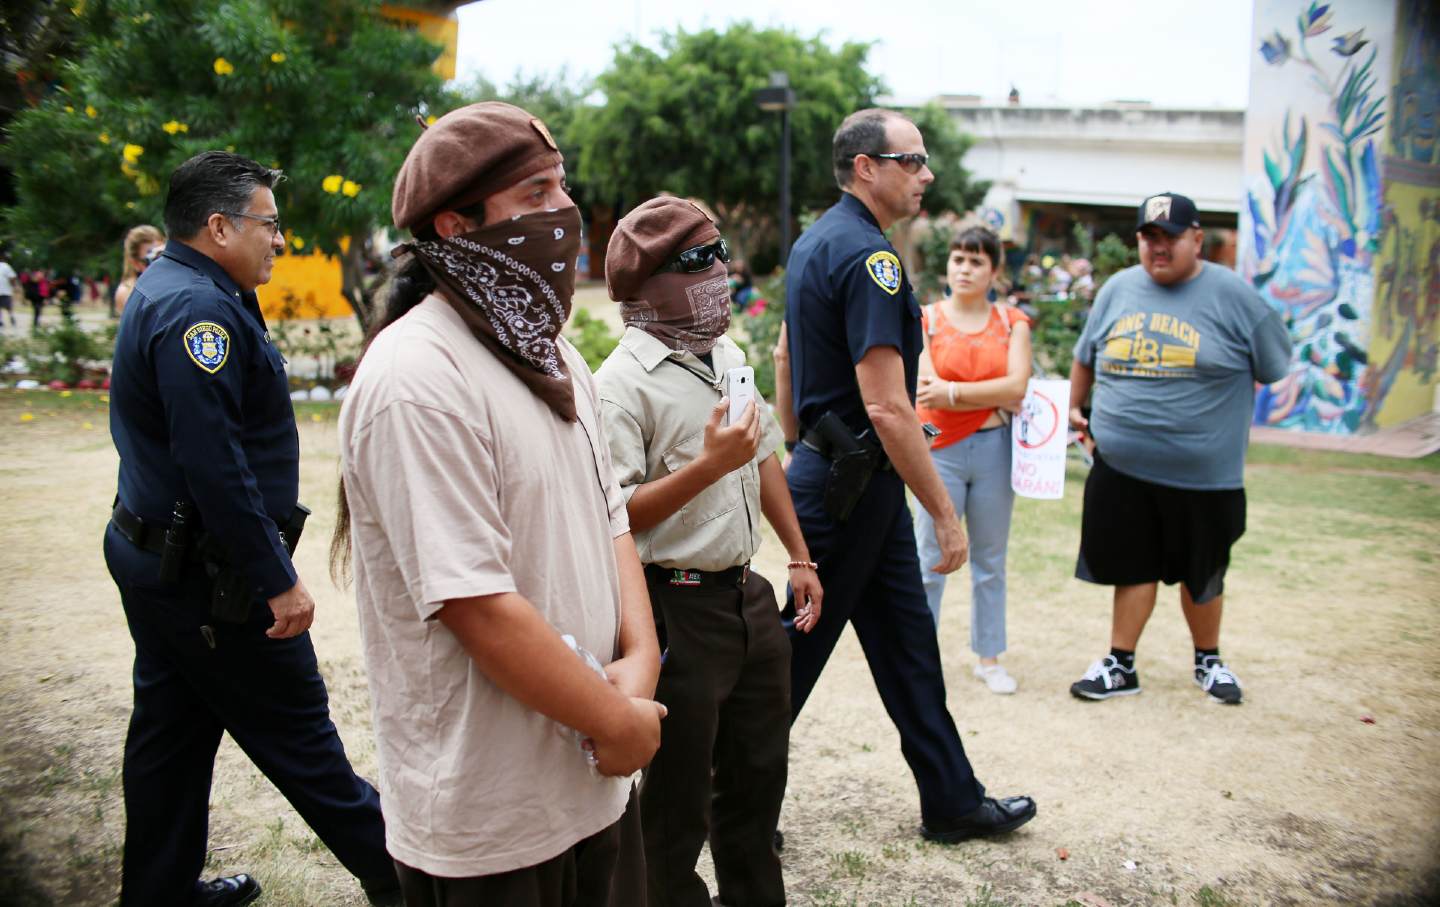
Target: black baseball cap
{"x":1170,"y":212}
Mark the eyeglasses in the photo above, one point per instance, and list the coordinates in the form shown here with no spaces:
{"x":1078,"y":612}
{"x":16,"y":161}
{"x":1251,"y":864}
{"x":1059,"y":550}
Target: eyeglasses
{"x":909,"y":161}
{"x":272,"y":222}
{"x":697,"y":259}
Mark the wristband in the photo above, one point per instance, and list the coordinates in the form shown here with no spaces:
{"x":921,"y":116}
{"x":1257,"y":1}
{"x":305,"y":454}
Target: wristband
{"x":790,"y":446}
{"x":950,"y":386}
{"x":808,"y":565}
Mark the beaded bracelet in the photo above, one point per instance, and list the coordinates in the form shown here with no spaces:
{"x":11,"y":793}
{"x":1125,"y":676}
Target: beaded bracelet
{"x":808,"y":565}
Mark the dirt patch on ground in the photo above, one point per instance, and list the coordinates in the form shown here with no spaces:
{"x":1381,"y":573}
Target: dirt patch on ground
{"x":1292,"y":798}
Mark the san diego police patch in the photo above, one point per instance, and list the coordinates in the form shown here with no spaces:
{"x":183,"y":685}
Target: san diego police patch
{"x":884,"y":269}
{"x":208,"y":345}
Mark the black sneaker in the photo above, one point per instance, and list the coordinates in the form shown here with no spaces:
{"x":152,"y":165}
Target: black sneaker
{"x":1105,"y":678}
{"x":230,"y":891}
{"x":1218,"y":681}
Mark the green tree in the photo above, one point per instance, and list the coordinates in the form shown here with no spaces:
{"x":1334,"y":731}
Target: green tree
{"x":953,"y":190}
{"x":327,"y":91}
{"x":683,"y":120}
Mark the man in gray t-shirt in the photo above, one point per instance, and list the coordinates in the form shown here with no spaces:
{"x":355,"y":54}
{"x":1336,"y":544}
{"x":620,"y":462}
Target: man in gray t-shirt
{"x":1172,"y":350}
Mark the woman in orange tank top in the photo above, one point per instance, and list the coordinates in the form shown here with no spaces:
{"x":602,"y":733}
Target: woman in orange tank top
{"x":972,"y":376}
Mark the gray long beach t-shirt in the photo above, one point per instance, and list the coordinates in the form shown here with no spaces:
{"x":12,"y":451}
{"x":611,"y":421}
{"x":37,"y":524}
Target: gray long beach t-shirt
{"x":1175,"y":372}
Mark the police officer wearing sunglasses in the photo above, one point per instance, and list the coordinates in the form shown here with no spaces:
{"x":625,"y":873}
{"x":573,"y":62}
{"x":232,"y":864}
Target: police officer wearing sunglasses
{"x":854,"y":343}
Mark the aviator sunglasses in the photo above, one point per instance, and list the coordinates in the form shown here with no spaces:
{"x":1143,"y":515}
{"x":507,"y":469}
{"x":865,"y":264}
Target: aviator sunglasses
{"x":697,"y":258}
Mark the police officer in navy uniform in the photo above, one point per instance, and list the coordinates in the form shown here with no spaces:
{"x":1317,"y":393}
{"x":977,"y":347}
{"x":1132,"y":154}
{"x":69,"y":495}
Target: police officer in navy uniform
{"x":208,"y":487}
{"x":853,"y":325}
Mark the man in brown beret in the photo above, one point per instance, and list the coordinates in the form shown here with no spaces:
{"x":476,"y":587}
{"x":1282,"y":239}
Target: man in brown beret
{"x":506,"y":628}
{"x":695,"y":488}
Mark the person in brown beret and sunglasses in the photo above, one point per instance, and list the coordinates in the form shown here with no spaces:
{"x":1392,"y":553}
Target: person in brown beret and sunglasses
{"x":505,"y":624}
{"x":696,"y":488}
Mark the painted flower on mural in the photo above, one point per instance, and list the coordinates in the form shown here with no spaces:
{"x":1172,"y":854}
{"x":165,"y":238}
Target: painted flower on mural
{"x":1313,"y":224}
{"x":1349,"y":45}
{"x":1315,"y":20}
{"x":1275,"y":49}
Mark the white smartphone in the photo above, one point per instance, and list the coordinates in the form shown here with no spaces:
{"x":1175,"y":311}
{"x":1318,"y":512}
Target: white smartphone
{"x":740,"y":388}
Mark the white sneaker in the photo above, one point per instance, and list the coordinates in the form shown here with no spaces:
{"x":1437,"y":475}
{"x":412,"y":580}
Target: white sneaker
{"x":996,"y":678}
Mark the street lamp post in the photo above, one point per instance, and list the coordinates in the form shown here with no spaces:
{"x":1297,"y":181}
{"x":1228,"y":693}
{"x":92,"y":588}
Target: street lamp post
{"x":779,"y":97}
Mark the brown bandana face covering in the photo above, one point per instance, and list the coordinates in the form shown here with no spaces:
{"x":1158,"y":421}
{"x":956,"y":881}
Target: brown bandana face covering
{"x":512,"y":283}
{"x":685,"y":311}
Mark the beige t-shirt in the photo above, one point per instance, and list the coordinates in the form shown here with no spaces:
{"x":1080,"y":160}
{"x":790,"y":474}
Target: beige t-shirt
{"x":461,"y":482}
{"x":654,"y":415}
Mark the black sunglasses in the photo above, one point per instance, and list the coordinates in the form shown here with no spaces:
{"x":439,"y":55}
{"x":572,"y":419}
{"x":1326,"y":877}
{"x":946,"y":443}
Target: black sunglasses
{"x":909,"y":161}
{"x":697,"y":259}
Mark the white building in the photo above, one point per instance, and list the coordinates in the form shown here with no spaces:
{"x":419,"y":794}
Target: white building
{"x":1050,"y":166}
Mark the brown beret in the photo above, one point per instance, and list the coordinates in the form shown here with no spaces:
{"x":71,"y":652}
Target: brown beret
{"x":649,"y":236}
{"x":468,"y":155}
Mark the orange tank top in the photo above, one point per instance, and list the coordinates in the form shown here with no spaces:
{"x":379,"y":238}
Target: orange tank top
{"x":958,"y":356}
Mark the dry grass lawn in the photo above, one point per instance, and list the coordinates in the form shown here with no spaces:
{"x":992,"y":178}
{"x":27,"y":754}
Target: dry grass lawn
{"x":1294,"y":798}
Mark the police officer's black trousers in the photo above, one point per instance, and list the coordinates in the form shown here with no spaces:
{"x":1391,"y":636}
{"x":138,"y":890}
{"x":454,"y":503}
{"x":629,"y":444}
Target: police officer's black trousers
{"x":266,"y":693}
{"x":724,"y":745}
{"x":871,"y":575}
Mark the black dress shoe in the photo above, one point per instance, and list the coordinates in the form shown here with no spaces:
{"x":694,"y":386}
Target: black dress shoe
{"x":993,"y":817}
{"x":230,"y":891}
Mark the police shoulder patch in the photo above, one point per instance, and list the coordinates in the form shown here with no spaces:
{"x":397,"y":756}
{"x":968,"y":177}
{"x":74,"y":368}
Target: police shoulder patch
{"x":208,"y":345}
{"x":884,"y":269}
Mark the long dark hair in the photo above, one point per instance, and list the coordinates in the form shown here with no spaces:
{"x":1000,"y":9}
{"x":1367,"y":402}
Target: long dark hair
{"x":406,"y":288}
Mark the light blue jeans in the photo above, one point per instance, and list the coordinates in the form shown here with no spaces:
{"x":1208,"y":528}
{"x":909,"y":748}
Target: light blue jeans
{"x":976,"y":472}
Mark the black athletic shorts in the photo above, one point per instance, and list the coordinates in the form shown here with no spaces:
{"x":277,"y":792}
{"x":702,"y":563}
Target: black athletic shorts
{"x":1134,"y":532}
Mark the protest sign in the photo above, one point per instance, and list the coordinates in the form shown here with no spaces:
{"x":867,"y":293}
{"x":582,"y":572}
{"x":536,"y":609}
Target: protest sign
{"x":1038,"y":438}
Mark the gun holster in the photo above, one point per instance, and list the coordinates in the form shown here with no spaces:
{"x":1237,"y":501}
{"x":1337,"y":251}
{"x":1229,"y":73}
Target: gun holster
{"x":231,"y":591}
{"x":852,"y":463}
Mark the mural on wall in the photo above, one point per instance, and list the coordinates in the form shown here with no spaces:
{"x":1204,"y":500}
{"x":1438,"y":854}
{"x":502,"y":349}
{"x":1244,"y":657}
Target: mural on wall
{"x":1405,"y":342}
{"x":1311,"y":226}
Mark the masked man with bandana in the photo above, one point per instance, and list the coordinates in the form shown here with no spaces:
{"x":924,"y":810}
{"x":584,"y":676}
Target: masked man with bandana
{"x":696,"y":488}
{"x":490,"y":544}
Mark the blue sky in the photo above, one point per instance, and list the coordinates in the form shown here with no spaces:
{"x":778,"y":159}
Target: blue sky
{"x":1081,"y":51}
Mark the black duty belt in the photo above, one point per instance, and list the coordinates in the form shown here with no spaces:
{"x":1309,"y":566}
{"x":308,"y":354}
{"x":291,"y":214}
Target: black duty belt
{"x":143,"y":534}
{"x":822,"y":446}
{"x":732,"y":576}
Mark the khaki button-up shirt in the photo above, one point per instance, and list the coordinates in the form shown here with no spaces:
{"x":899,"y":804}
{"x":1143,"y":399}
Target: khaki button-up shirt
{"x":654,"y":403}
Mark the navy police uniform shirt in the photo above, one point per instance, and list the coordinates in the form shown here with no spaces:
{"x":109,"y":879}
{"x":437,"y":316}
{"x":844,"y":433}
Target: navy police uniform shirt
{"x":845,"y":294}
{"x":200,"y":411}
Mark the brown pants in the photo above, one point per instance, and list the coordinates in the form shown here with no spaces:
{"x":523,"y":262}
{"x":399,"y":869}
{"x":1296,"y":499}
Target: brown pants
{"x":721,"y":768}
{"x":606,"y":869}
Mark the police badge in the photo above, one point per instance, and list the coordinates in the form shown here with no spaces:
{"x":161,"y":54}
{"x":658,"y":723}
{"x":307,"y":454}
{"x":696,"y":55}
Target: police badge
{"x":884,"y":269}
{"x":208,"y":346}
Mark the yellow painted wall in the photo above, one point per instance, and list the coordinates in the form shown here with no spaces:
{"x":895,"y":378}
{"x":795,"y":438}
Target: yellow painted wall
{"x":304,"y":286}
{"x":443,"y":30}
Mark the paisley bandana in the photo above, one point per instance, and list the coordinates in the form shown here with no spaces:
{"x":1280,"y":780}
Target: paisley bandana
{"x":512,"y":283}
{"x":685,"y":311}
